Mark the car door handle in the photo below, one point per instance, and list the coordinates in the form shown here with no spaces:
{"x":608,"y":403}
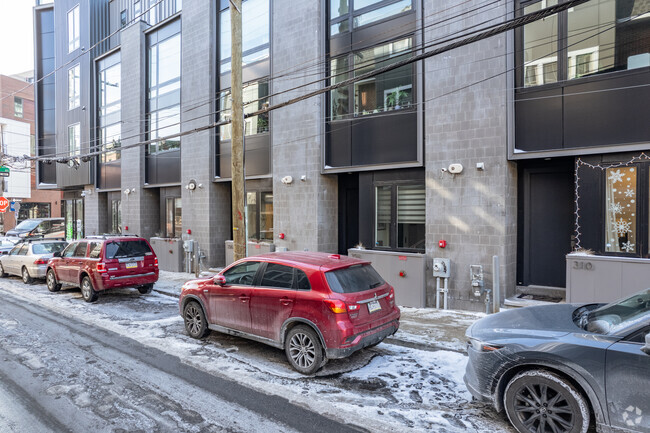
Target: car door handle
{"x":286,"y":301}
{"x":244,"y":298}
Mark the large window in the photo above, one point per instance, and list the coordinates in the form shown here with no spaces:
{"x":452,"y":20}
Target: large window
{"x":621,"y":210}
{"x":164,"y":87}
{"x":363,"y":12}
{"x":73,"y":29}
{"x":255,"y":97}
{"x":391,"y":90}
{"x":74,"y":139}
{"x":116,"y":216}
{"x":260,"y":215}
{"x":74,"y":86}
{"x":400,"y":216}
{"x":110,"y":108}
{"x":255,"y":33}
{"x":598,"y":36}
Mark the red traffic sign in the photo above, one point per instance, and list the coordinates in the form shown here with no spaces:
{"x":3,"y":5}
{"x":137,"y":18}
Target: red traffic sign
{"x":4,"y":204}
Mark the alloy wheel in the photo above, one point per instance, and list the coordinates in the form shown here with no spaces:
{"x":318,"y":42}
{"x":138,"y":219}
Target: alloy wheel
{"x":302,"y":350}
{"x":26,"y":278}
{"x":542,"y":408}
{"x":193,"y":320}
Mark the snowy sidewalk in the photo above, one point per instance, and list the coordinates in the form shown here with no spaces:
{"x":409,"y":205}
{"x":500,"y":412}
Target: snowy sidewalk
{"x":420,"y":328}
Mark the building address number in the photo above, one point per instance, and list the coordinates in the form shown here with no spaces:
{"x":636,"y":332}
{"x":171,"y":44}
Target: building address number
{"x":586,"y":266}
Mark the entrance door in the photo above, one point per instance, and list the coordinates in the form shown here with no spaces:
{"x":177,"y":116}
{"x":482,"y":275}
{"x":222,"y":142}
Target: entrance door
{"x":348,"y":212}
{"x":548,"y":205}
{"x":74,"y":218}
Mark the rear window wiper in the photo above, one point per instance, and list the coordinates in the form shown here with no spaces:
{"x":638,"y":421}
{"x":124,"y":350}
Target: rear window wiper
{"x":377,"y":284}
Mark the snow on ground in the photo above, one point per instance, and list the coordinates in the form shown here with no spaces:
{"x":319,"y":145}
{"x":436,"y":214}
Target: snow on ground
{"x":385,"y":389}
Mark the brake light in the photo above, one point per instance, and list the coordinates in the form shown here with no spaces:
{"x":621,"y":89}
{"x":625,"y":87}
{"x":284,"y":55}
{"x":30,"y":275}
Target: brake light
{"x":335,"y":305}
{"x":155,"y":262}
{"x":41,"y":262}
{"x":391,"y":294}
{"x":101,"y":267}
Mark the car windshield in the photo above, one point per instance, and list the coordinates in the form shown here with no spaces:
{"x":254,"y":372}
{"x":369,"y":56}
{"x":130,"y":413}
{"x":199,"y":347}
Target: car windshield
{"x":134,"y":248}
{"x":6,"y":243}
{"x":48,"y":248}
{"x":613,"y":317}
{"x":28,"y":225}
{"x":354,"y":279}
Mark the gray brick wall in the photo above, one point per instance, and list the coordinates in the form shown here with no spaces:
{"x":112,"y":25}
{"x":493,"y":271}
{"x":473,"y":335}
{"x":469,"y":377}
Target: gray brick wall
{"x":306,"y":211}
{"x":140,"y":208}
{"x":96,"y":212}
{"x":475,"y":211}
{"x":206,"y":211}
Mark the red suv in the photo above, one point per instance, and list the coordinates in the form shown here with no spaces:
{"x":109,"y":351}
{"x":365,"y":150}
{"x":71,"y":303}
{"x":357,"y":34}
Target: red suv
{"x":315,"y":306}
{"x":100,"y":263}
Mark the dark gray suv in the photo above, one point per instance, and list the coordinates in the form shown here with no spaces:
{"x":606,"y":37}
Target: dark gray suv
{"x":561,"y":368}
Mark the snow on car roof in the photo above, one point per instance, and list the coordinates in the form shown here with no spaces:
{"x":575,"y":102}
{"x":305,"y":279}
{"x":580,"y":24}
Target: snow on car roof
{"x":325,"y":261}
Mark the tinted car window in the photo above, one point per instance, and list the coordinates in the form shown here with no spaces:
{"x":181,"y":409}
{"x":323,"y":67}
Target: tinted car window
{"x":95,"y":250}
{"x":302,"y":280}
{"x":243,"y":274}
{"x":23,"y":250}
{"x":28,"y":225}
{"x":356,"y":278}
{"x":134,"y":248}
{"x":278,"y":276}
{"x":14,"y":250}
{"x":80,"y":251}
{"x":48,"y":248}
{"x":69,"y":251}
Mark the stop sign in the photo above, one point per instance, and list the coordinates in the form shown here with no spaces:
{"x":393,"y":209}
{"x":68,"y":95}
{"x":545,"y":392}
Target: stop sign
{"x":4,"y":204}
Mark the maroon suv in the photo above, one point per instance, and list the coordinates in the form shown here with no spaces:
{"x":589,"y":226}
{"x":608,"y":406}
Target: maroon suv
{"x":99,"y":263}
{"x":315,"y":306}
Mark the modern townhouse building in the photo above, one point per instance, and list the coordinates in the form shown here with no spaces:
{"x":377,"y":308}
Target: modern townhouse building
{"x":464,"y":156}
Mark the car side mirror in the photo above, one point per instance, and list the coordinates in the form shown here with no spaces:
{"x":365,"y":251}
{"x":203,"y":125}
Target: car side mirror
{"x":219,"y":280}
{"x":646,"y":348}
{"x":57,"y":254}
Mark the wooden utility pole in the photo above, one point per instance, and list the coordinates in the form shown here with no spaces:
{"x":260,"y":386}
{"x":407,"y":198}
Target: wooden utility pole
{"x":237,"y":113}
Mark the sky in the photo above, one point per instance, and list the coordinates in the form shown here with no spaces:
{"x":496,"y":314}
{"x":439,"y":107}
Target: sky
{"x":16,"y":36}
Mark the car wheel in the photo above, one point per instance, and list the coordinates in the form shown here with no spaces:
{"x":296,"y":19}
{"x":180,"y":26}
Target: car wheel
{"x":50,"y":280}
{"x":87,"y":291}
{"x":27,"y":279}
{"x":147,"y":288}
{"x":195,"y":323}
{"x":303,"y":349}
{"x":540,"y":401}
{"x":2,"y":271}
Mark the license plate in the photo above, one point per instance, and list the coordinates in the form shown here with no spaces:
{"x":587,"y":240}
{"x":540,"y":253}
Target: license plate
{"x":131,"y":265}
{"x":373,"y":306}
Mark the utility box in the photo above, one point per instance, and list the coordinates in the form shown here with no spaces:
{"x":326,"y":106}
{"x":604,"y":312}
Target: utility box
{"x":406,"y":272}
{"x":169,"y":252}
{"x":441,"y":268}
{"x":254,"y":249}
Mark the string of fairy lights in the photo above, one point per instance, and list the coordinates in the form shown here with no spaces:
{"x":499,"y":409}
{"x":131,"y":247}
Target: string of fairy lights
{"x":600,"y":166}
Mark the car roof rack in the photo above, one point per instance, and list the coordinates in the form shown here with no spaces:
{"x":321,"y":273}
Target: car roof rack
{"x":111,"y":235}
{"x":38,"y":238}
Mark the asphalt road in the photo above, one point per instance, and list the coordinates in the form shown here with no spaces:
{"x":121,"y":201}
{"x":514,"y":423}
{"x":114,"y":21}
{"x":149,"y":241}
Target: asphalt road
{"x":59,"y":374}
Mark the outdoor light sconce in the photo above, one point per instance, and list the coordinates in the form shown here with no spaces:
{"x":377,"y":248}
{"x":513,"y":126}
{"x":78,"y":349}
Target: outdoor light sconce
{"x":191,"y":185}
{"x":287,"y":180}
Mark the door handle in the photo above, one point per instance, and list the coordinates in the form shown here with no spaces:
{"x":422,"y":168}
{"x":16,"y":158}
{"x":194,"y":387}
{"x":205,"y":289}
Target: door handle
{"x":286,"y":301}
{"x":244,"y":298}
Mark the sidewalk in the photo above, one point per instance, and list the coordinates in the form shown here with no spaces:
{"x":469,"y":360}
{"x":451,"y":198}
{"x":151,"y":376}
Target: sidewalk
{"x":420,"y":328}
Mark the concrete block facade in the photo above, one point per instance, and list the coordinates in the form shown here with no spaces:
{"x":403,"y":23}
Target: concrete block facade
{"x":305,"y":210}
{"x":466,"y":123}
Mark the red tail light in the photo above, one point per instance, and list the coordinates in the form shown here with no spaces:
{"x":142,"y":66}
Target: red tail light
{"x":101,"y":267}
{"x":335,"y":305}
{"x":391,"y":294}
{"x":41,"y":262}
{"x":155,"y":262}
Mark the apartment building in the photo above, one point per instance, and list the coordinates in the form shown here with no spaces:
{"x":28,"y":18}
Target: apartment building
{"x":466,"y":156}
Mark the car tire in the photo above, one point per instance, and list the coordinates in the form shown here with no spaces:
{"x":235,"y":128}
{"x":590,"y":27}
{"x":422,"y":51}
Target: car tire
{"x":146,"y":289}
{"x":535,"y":400}
{"x":88,"y":291}
{"x":50,"y":280}
{"x":2,"y":271}
{"x":304,"y":350}
{"x":27,"y":279}
{"x":195,"y":323}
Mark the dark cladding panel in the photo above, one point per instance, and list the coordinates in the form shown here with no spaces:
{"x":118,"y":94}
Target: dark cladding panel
{"x":164,"y":167}
{"x":339,"y":147}
{"x":257,"y":156}
{"x":538,"y":119}
{"x":606,"y":112}
{"x":385,"y":139}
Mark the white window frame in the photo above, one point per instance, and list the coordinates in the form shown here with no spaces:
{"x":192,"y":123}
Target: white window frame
{"x":73,"y":29}
{"x":74,"y":139}
{"x":74,"y":86}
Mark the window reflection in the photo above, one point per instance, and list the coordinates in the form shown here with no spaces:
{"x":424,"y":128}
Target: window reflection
{"x":255,"y":33}
{"x":255,"y":97}
{"x":110,"y":108}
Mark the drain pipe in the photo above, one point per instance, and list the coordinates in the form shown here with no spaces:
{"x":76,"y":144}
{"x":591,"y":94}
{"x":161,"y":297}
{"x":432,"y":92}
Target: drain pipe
{"x":496,"y":285}
{"x":444,"y":290}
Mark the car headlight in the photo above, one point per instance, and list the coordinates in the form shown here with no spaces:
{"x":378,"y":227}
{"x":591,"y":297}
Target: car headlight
{"x":481,"y":346}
